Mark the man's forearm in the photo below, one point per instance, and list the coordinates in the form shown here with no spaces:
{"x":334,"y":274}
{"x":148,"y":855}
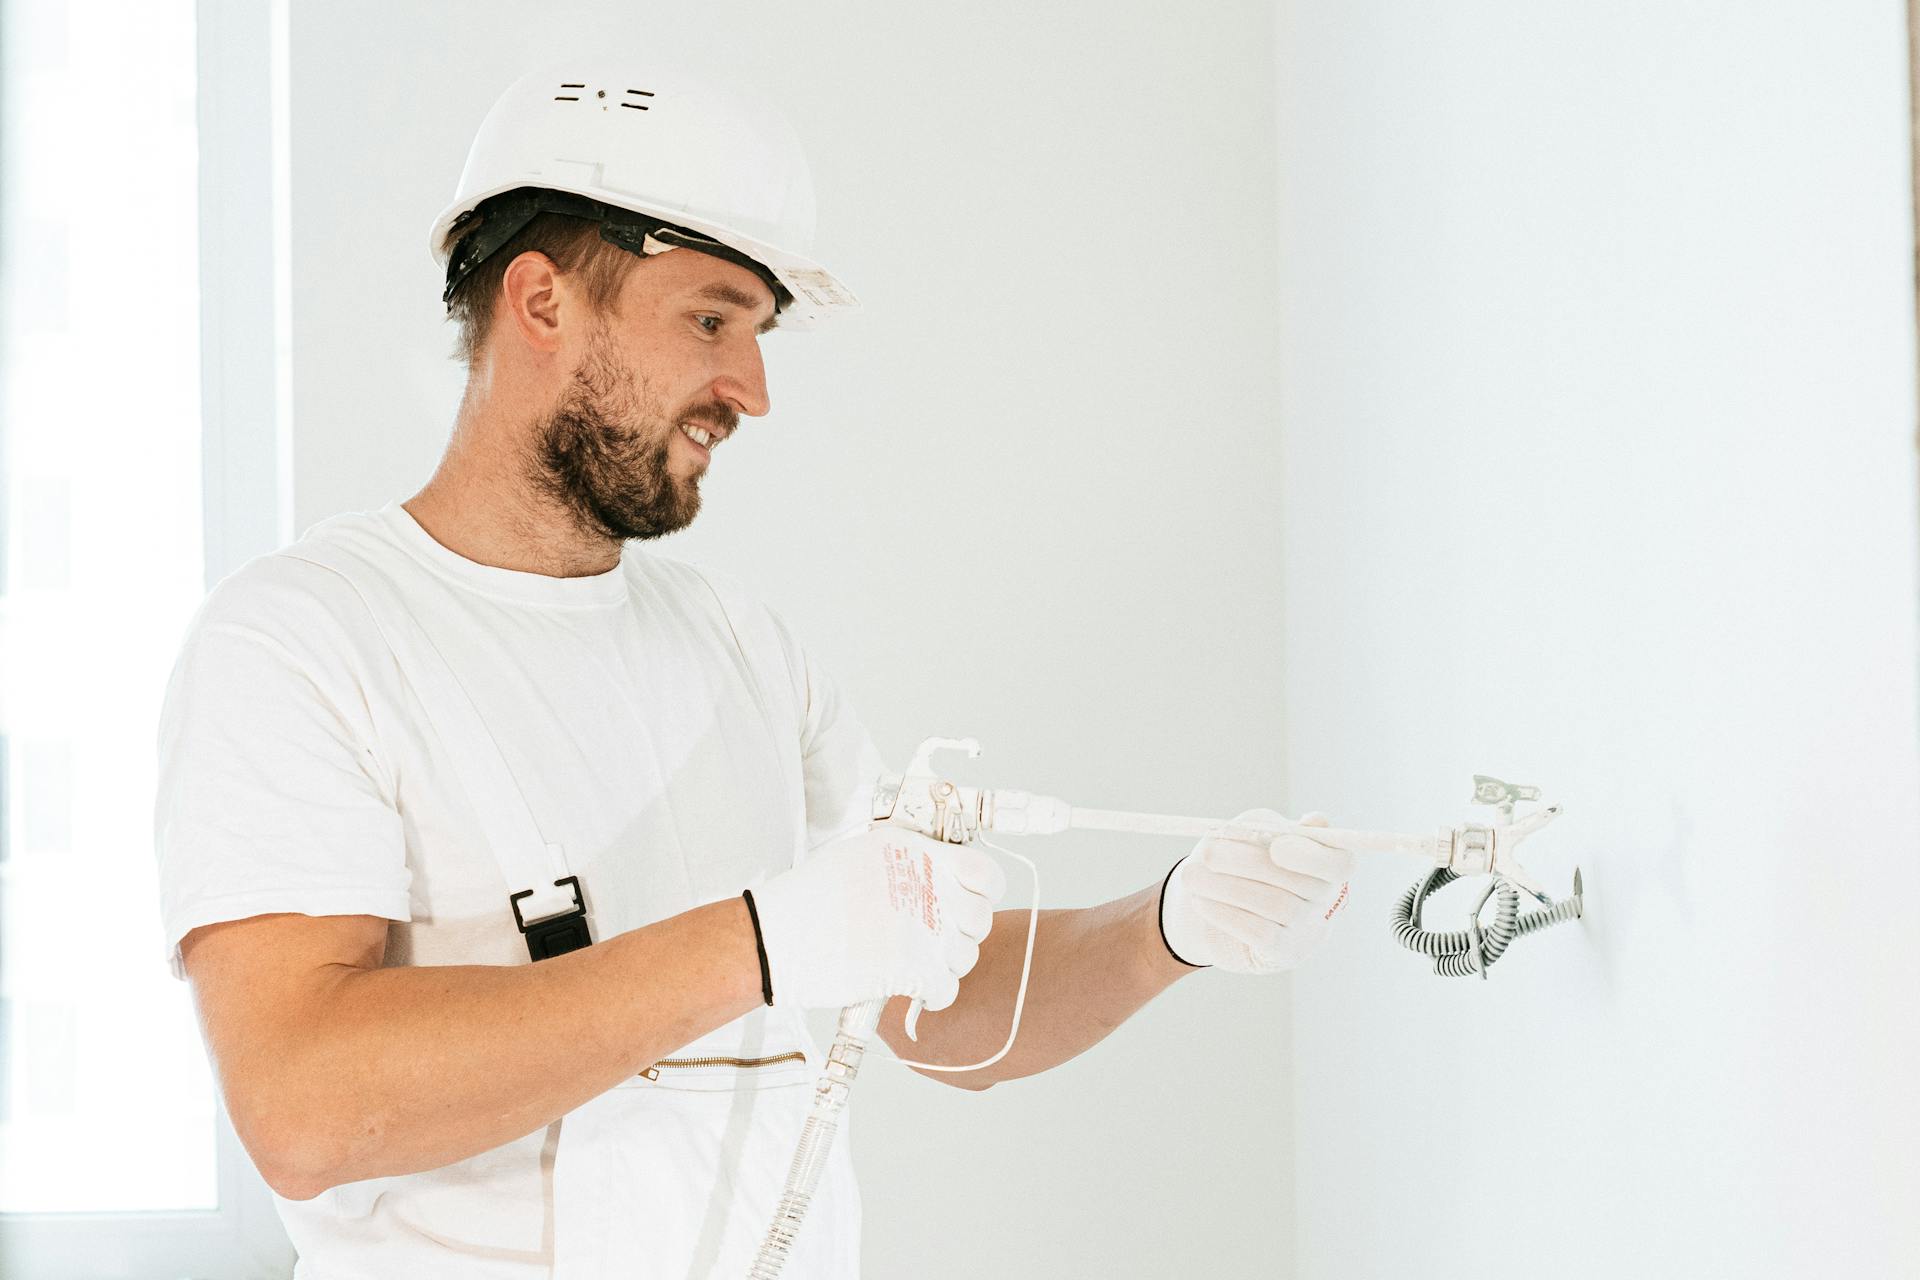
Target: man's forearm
{"x":364,"y":1072}
{"x":1093,"y":968}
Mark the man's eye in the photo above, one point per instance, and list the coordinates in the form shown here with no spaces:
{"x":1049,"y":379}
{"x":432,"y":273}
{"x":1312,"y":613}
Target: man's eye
{"x":702,"y":322}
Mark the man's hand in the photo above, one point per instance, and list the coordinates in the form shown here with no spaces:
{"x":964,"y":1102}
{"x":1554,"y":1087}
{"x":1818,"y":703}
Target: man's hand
{"x":1250,"y":906}
{"x":883,"y":912}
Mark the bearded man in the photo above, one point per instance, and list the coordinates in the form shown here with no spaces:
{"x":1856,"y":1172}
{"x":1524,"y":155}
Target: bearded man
{"x":505,"y":854}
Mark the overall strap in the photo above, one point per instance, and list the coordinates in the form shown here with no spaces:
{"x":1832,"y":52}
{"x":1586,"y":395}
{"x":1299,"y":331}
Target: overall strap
{"x":547,"y":903}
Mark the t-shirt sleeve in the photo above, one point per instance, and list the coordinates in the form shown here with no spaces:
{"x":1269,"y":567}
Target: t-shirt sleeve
{"x":271,"y":797}
{"x":839,"y":761}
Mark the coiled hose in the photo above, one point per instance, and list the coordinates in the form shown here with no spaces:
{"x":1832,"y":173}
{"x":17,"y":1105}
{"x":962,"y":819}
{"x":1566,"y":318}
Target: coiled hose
{"x":857,"y":1025}
{"x":1473,"y":950}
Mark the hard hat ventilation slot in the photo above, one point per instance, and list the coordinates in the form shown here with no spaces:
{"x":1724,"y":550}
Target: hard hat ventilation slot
{"x":564,"y":98}
{"x":637,"y":93}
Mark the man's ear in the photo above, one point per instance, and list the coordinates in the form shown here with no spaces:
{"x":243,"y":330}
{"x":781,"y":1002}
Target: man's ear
{"x":532,"y":294}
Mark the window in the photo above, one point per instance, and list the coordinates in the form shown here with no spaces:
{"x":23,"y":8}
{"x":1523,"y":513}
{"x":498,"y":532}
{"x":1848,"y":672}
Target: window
{"x":113,"y":1155}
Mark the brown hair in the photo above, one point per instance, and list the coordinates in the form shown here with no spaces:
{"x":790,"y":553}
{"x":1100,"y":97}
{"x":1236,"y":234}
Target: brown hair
{"x":572,"y":244}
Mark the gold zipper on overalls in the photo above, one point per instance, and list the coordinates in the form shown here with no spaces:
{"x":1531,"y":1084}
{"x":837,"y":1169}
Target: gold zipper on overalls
{"x":653,"y":1072}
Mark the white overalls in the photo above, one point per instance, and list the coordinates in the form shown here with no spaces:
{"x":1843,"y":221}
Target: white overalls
{"x":672,"y":1174}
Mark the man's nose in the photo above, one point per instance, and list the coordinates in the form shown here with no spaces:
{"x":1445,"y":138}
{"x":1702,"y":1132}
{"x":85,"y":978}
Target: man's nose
{"x":743,"y":382}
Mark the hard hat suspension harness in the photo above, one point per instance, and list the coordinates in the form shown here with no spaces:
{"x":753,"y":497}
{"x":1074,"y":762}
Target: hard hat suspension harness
{"x":500,"y":218}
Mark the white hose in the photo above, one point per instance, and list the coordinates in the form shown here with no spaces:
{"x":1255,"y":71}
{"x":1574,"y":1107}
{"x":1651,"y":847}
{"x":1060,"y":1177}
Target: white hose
{"x":857,"y":1025}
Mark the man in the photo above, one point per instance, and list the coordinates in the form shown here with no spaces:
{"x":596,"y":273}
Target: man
{"x":504,"y":856}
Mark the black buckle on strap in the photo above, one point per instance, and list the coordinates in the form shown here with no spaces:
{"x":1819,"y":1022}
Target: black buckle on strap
{"x":555,"y":935}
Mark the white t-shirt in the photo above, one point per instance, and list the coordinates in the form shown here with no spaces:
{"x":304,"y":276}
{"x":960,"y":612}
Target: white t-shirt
{"x":667,"y":731}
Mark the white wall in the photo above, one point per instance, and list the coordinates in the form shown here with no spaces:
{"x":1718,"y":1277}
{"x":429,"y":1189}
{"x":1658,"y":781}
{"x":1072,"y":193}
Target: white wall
{"x":1597,"y":375}
{"x":1029,"y":495}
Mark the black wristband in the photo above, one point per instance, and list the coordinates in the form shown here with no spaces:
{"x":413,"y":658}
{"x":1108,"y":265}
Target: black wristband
{"x":1162,"y":918}
{"x":766,"y":974}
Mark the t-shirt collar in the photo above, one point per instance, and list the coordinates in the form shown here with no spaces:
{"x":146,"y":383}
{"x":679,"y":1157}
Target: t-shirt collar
{"x":531,"y":588}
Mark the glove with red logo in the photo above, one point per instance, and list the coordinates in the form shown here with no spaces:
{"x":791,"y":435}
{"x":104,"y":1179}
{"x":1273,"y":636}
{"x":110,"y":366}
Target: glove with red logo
{"x":1250,"y":906}
{"x":883,"y":912}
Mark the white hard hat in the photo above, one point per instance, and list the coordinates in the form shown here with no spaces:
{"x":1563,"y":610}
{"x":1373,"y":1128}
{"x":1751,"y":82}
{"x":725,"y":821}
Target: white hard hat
{"x":661,"y":162}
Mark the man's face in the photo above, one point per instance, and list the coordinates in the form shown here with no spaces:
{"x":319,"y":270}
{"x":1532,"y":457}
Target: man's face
{"x":679,"y":348}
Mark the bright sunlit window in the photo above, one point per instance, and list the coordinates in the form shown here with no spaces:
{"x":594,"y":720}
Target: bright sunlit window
{"x":106,"y":1103}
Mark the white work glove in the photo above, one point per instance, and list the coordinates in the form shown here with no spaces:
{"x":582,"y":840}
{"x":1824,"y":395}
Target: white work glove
{"x":1251,"y":906}
{"x":884,"y":912}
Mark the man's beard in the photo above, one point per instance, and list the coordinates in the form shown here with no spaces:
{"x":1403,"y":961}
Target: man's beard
{"x":603,"y":452}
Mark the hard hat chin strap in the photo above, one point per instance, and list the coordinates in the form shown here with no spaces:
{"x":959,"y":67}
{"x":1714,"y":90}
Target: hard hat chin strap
{"x":496,"y":220}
